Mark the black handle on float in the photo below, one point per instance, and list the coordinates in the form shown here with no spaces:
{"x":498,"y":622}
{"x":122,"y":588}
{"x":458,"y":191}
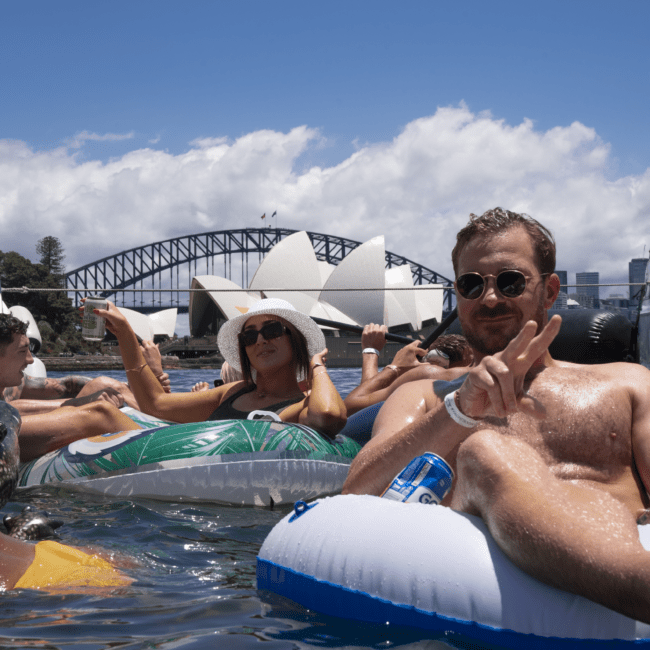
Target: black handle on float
{"x":356,"y":329}
{"x":440,"y":329}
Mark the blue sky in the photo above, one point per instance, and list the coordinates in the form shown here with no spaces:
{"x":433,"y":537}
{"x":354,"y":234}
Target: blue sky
{"x":357,"y":70}
{"x":180,"y":115}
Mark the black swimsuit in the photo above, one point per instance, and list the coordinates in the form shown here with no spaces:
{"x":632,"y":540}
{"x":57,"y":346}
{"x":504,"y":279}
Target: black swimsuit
{"x":226,"y":411}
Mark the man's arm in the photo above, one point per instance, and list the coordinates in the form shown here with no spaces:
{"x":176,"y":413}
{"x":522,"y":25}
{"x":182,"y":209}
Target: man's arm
{"x":412,"y":421}
{"x":639,"y":378}
{"x":492,"y":388}
{"x":49,"y":388}
{"x":379,"y":387}
{"x":39,"y":395}
{"x":372,"y":337}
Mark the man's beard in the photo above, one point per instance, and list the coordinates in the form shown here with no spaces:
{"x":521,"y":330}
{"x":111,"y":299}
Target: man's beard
{"x":498,"y":338}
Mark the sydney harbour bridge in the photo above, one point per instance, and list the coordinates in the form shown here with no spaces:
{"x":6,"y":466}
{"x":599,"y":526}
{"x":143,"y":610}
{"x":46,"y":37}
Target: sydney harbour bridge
{"x":157,"y":276}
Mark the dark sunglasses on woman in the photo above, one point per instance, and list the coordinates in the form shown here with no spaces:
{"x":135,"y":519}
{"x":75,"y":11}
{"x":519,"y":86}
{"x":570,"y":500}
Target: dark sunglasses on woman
{"x":271,"y":330}
{"x":510,"y":284}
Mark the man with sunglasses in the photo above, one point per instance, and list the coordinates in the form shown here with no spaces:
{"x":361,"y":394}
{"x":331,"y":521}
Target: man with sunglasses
{"x":554,"y":456}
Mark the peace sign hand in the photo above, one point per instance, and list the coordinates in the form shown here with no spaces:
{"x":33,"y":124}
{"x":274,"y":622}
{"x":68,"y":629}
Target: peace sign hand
{"x":495,"y":386}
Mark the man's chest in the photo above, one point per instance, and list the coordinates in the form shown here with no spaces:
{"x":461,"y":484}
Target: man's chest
{"x":588,"y":424}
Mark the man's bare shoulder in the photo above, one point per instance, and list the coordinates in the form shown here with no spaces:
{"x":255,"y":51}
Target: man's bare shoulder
{"x":429,"y":372}
{"x":620,"y":374}
{"x":432,"y":389}
{"x":615,"y":369}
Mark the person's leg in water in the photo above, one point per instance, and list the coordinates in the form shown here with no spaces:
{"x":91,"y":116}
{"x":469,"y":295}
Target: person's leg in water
{"x":41,"y":434}
{"x":571,"y":536}
{"x":102,"y":383}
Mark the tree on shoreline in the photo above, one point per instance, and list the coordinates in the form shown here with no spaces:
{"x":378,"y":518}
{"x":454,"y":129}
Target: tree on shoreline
{"x":52,"y":256}
{"x":53,"y":311}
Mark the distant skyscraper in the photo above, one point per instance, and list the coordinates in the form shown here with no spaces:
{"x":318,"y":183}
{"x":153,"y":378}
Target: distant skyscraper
{"x":637,"y":274}
{"x":589,"y":278}
{"x":563,"y":281}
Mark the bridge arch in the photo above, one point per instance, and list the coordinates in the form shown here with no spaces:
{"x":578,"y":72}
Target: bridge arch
{"x":145,"y":268}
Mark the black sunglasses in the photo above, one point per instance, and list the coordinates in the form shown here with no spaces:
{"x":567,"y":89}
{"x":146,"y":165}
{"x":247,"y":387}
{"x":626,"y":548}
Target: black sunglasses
{"x":511,"y":284}
{"x":272,"y":330}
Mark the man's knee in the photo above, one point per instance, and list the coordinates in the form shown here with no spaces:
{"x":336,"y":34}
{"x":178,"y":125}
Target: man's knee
{"x":103,"y":411}
{"x":487,"y":456}
{"x":102,"y":383}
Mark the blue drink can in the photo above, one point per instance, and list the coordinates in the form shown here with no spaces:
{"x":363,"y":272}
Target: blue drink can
{"x":426,"y":479}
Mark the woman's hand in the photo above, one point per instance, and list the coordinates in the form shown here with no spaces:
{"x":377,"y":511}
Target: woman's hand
{"x":319,"y":359}
{"x":374,"y":336}
{"x":115,"y":320}
{"x":151,"y":354}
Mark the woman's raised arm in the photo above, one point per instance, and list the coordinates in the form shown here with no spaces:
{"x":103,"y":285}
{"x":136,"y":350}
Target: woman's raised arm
{"x":323,"y":409}
{"x":152,"y":399}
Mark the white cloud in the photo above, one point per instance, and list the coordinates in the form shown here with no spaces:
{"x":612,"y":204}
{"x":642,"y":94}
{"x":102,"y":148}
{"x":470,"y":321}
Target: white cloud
{"x":417,"y":190}
{"x":79,"y":139}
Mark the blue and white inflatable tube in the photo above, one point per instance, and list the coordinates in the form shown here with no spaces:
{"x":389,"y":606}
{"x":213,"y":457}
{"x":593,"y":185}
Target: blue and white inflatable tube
{"x":430,"y":568}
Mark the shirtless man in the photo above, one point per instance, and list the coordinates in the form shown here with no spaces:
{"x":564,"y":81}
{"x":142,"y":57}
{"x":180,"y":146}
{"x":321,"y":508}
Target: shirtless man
{"x":42,"y":433}
{"x":36,"y":395}
{"x":411,"y":364}
{"x":555,"y":457}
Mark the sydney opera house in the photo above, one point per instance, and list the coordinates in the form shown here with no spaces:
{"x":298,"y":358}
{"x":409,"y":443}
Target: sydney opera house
{"x":357,"y":291}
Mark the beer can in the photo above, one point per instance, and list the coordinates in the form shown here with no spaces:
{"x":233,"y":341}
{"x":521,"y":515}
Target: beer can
{"x":426,"y":479}
{"x":93,"y":327}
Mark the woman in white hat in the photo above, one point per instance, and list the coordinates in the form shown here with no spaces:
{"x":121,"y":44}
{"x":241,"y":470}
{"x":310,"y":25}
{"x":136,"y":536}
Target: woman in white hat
{"x":273,"y":345}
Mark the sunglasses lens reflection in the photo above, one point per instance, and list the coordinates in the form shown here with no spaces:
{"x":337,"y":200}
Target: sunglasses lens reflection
{"x":269,"y":331}
{"x":510,"y":284}
{"x":470,"y":286}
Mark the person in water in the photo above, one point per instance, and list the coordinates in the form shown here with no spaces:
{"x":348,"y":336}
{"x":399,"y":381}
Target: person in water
{"x":273,"y":345}
{"x":554,"y":456}
{"x":447,"y":359}
{"x":43,"y":432}
{"x":35,"y":395}
{"x":47,"y":565}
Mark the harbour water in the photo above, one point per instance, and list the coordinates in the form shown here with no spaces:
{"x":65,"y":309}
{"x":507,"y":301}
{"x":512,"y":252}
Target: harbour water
{"x":194,"y":569}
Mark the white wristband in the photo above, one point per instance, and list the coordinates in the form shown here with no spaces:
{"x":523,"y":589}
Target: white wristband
{"x":455,"y":414}
{"x":370,"y":351}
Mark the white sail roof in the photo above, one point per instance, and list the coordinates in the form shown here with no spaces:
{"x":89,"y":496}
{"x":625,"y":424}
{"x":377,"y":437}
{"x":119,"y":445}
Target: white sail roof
{"x":428,"y":300}
{"x":356,"y":292}
{"x":362,"y":268}
{"x":141,"y":324}
{"x":164,"y":322}
{"x":400,"y":308}
{"x":229,"y":297}
{"x":290,"y":264}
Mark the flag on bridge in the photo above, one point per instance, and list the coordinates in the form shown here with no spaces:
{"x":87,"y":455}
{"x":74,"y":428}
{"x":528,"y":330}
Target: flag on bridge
{"x":273,"y":215}
{"x":264,"y":216}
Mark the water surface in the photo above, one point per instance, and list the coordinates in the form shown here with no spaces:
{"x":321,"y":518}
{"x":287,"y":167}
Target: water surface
{"x":194,"y":569}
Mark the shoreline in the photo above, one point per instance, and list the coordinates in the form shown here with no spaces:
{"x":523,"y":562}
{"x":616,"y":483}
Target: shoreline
{"x":79,"y":363}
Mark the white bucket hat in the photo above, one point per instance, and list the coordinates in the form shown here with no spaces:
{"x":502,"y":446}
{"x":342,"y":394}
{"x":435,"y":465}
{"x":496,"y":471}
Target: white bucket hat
{"x":228,"y":340}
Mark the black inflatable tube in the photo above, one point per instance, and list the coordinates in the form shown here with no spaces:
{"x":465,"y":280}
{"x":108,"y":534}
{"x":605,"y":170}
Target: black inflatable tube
{"x":587,"y":336}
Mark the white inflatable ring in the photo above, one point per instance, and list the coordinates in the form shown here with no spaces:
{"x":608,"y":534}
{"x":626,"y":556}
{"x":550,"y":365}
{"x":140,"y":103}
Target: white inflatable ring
{"x":430,"y":568}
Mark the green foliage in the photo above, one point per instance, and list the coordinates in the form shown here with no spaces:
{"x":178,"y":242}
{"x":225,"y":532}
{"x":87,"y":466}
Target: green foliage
{"x":58,"y":320}
{"x":51,"y":256}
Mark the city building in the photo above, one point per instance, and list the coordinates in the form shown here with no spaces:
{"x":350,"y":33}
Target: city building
{"x":562,"y":301}
{"x":587,"y":289}
{"x":637,"y":270}
{"x":563,"y":281}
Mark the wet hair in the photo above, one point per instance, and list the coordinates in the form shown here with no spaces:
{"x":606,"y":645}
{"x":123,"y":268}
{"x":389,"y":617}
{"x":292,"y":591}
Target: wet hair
{"x":497,"y":221}
{"x":300,"y":355}
{"x":9,"y":326}
{"x":455,"y":347}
